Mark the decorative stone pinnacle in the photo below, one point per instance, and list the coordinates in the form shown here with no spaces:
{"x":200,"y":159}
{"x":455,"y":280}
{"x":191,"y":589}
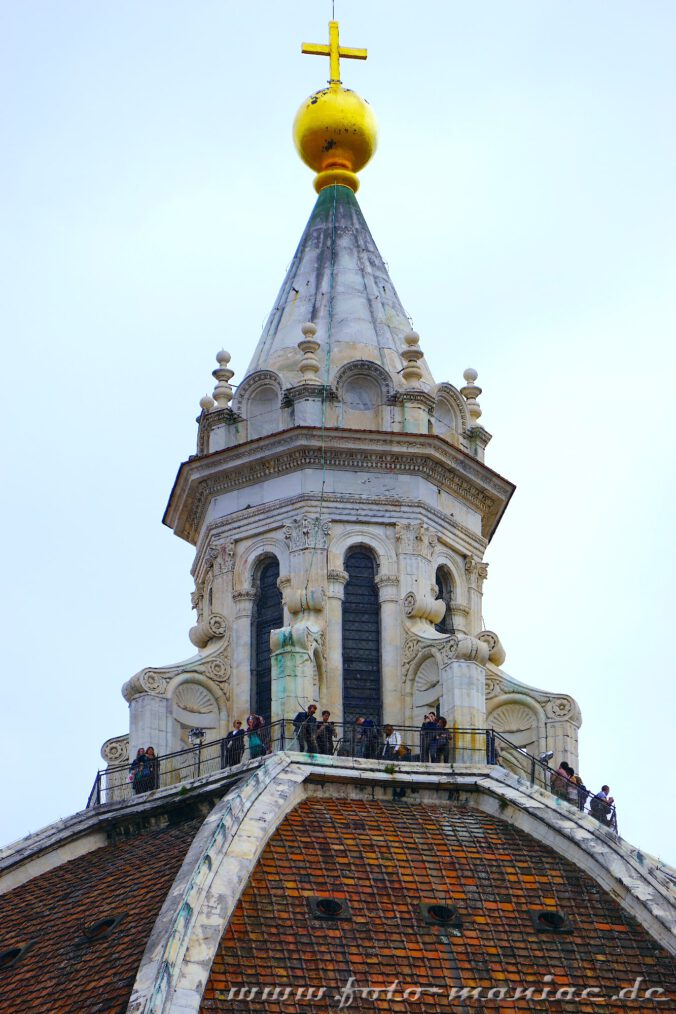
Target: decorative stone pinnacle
{"x":411,"y":372}
{"x":309,"y":364}
{"x":471,"y":392}
{"x":223,"y":391}
{"x":207,"y":403}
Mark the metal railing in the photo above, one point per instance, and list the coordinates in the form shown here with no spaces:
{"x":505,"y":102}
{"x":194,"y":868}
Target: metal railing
{"x":538,"y":772}
{"x":370,"y":742}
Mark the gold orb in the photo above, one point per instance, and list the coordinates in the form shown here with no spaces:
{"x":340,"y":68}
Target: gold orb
{"x":335,"y":129}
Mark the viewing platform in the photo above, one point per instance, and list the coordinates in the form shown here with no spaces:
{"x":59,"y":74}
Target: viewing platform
{"x":416,"y":748}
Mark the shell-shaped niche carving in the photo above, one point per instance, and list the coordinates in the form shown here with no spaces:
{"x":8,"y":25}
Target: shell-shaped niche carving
{"x":517,"y":722}
{"x":193,"y":704}
{"x":194,"y":698}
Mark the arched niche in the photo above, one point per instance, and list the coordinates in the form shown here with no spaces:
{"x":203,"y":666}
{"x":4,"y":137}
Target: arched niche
{"x":363,"y":389}
{"x":194,"y":702}
{"x":522,"y":722}
{"x":362,"y":677}
{"x":258,"y":401}
{"x":450,"y":413}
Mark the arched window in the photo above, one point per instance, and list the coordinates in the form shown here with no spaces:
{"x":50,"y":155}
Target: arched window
{"x":361,"y":639}
{"x":444,"y":585}
{"x":262,"y":412}
{"x":267,"y":615}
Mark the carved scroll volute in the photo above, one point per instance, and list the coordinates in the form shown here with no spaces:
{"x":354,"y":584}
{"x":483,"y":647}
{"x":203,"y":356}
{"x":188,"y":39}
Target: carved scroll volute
{"x":496,"y":652}
{"x":424,"y":607}
{"x":205,"y":631}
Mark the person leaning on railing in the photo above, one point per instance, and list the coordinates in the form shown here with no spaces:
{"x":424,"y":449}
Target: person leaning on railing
{"x":305,"y":724}
{"x":392,"y":743}
{"x":602,"y":806}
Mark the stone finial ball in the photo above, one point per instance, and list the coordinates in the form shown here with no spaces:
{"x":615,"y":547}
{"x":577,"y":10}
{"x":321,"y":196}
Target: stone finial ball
{"x":470,"y":375}
{"x":335,"y":129}
{"x":309,"y":330}
{"x":207,"y":403}
{"x":412,"y":338}
{"x":223,"y":358}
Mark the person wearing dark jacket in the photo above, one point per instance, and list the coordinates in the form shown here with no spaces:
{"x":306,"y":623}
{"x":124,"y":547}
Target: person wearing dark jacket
{"x":428,"y":731}
{"x":305,"y":724}
{"x":232,"y":747}
{"x":326,"y":730}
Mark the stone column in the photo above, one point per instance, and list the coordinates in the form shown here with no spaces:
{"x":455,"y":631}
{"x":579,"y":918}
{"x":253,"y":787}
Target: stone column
{"x":292,"y":668}
{"x":476,"y":572}
{"x":241,"y":653}
{"x":463,"y":698}
{"x":390,"y":642}
{"x":334,"y":644}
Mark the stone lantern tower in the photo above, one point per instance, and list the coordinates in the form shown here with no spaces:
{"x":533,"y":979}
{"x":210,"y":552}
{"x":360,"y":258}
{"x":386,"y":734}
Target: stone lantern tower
{"x":339,"y":503}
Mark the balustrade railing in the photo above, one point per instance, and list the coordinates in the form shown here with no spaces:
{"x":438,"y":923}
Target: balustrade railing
{"x":370,"y":742}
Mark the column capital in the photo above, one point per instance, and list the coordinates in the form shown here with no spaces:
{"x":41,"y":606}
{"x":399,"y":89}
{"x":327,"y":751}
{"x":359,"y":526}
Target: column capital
{"x":388,"y":587}
{"x":336,"y":584}
{"x":243,"y":600}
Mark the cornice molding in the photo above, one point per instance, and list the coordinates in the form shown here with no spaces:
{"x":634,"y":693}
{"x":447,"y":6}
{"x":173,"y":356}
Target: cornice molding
{"x":445,"y":466}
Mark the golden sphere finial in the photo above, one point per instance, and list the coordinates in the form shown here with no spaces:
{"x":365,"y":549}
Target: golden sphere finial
{"x":335,"y":131}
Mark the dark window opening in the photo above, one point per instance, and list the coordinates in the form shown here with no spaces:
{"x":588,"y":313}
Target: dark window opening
{"x":268,"y":615}
{"x":361,"y":640}
{"x":444,"y":585}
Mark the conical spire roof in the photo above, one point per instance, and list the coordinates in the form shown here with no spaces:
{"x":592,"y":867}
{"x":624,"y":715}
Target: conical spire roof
{"x":338,"y":281}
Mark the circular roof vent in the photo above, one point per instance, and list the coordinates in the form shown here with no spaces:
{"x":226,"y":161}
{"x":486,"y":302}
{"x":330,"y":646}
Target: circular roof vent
{"x":548,"y":920}
{"x":438,"y":913}
{"x":329,"y":908}
{"x":100,"y":928}
{"x":10,"y":956}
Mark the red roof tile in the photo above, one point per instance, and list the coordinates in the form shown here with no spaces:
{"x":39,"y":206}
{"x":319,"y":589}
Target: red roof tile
{"x":405,"y":855}
{"x":64,"y":972}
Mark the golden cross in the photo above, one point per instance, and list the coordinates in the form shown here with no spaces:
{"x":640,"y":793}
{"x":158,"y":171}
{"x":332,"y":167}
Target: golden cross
{"x":334,"y":51}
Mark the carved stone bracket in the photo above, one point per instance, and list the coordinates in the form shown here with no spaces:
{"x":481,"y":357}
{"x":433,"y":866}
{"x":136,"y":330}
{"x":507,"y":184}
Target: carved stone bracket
{"x":496,"y":652}
{"x":424,"y":607}
{"x":155,"y":681}
{"x":416,"y":538}
{"x":560,"y":708}
{"x":493,"y":687}
{"x":116,"y":750}
{"x":205,"y":631}
{"x":307,"y":533}
{"x":557,"y":707}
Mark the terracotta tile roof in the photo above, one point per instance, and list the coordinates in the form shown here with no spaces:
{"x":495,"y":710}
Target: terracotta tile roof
{"x":63,"y":972}
{"x":384,"y":860}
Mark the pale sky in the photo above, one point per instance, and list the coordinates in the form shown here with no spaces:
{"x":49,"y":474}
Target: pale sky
{"x":523,"y":198}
